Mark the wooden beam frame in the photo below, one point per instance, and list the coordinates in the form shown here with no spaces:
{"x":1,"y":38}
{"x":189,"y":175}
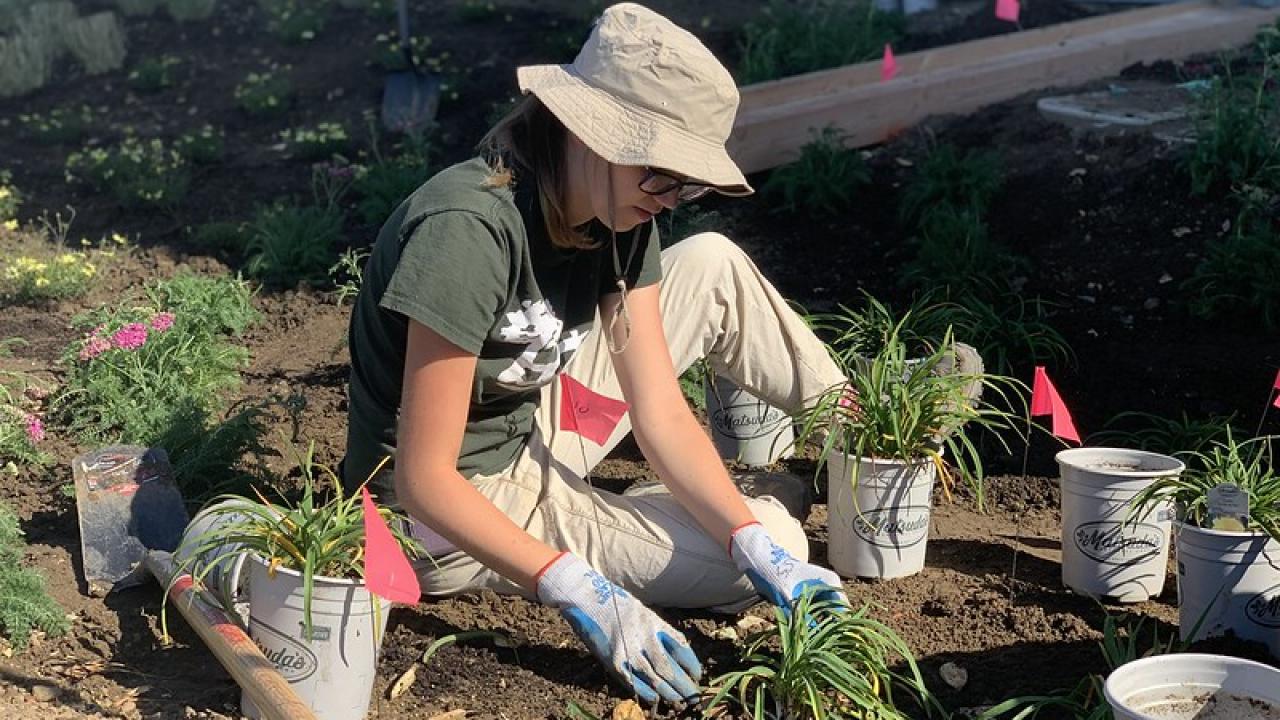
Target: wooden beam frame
{"x":776,"y":118}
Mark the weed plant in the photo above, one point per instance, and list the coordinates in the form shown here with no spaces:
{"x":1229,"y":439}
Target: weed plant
{"x":10,"y":200}
{"x":22,"y":431}
{"x":265,"y":93}
{"x":316,"y":537}
{"x":1236,"y":278}
{"x":1238,"y":134}
{"x":137,"y":173}
{"x":823,"y":182}
{"x":949,"y":178}
{"x":317,"y":143}
{"x":383,"y":185}
{"x":1182,"y":436}
{"x":296,"y":21}
{"x":222,"y":237}
{"x":25,"y":606}
{"x":26,"y":280}
{"x":347,"y":275}
{"x":822,"y":660}
{"x":291,"y":244}
{"x":955,"y":253}
{"x":153,"y":74}
{"x":794,"y":38}
{"x":1246,"y":464}
{"x":693,"y":384}
{"x":60,"y":126}
{"x":202,"y":147}
{"x":188,"y":10}
{"x":97,"y":41}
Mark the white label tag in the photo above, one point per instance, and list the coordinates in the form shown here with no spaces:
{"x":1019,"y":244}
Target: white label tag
{"x":1228,"y":507}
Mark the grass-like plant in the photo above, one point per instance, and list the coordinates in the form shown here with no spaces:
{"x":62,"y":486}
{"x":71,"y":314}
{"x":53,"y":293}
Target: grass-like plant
{"x":824,"y":181}
{"x":97,"y":41}
{"x":137,"y":173}
{"x":1246,"y":464}
{"x":1238,"y":133}
{"x":202,"y":147}
{"x":856,"y":333}
{"x":1169,"y":436}
{"x":220,"y":237}
{"x":265,"y":93}
{"x":58,"y":126}
{"x":896,"y":407}
{"x":823,"y":661}
{"x":289,"y":244}
{"x":1012,"y":332}
{"x":317,"y":143}
{"x":296,"y":21}
{"x":24,"y":604}
{"x":948,"y":177}
{"x":317,"y":536}
{"x":1236,"y":278}
{"x":954,"y":251}
{"x":153,"y":74}
{"x":793,"y":38}
{"x":25,"y":64}
{"x":188,"y":10}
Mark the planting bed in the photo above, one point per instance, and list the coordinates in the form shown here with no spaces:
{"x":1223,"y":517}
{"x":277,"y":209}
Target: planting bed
{"x":1109,"y":226}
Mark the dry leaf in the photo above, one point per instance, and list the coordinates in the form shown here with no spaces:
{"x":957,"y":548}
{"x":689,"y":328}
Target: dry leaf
{"x":628,"y":710}
{"x":404,"y":682}
{"x":751,"y":623}
{"x":725,"y":633}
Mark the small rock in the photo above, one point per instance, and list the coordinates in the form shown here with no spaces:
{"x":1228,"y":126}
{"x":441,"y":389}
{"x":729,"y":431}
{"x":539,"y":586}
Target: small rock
{"x":1151,"y":304}
{"x":1181,"y":231}
{"x":954,"y":675}
{"x":628,"y":710}
{"x":1226,"y":226}
{"x":751,"y":623}
{"x":725,"y":633}
{"x":1087,"y":298}
{"x":1077,"y":172}
{"x":44,"y":693}
{"x":1165,"y":278}
{"x":903,"y":162}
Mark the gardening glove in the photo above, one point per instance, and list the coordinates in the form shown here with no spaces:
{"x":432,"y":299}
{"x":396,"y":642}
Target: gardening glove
{"x":778,"y":576}
{"x":646,"y":653}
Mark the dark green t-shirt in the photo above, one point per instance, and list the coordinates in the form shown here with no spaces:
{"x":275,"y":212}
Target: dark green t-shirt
{"x":474,"y":263}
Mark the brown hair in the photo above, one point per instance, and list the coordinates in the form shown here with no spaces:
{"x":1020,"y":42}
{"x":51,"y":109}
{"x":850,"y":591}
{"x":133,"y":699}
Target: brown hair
{"x":532,"y":137}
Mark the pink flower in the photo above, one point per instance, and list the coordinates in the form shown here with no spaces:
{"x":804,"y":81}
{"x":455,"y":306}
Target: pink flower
{"x":130,"y":337}
{"x":35,"y":428}
{"x":161,"y":321}
{"x":93,"y":347}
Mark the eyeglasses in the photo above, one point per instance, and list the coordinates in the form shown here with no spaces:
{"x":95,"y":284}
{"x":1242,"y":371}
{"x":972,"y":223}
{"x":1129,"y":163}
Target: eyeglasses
{"x":660,"y":182}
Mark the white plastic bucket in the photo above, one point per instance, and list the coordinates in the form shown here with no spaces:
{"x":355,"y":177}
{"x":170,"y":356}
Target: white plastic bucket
{"x":334,"y":671}
{"x":224,"y":580}
{"x":880,"y":528}
{"x":1232,"y":579}
{"x":1102,"y":554}
{"x":1192,"y":686}
{"x":746,"y":428}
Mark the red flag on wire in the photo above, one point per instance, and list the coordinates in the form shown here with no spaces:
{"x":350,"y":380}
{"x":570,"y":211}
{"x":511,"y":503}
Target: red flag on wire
{"x":889,"y":66}
{"x":1008,"y":10}
{"x":1045,"y":400}
{"x":387,"y":572}
{"x":1276,"y":386}
{"x":588,"y":413}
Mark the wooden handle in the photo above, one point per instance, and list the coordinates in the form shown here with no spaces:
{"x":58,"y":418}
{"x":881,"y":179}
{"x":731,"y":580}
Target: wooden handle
{"x":252,"y":671}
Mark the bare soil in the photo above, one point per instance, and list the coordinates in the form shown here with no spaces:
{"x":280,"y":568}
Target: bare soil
{"x":1104,"y":221}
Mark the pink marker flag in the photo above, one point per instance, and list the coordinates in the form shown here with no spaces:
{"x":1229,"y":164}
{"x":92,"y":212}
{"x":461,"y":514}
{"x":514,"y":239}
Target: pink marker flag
{"x":588,"y":413}
{"x":1276,"y":386}
{"x":1045,"y":400}
{"x":889,"y":67}
{"x":387,"y":572}
{"x":1008,"y":10}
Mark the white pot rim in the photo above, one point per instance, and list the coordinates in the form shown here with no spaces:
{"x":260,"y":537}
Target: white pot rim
{"x":1070,"y":457}
{"x":1182,"y":525}
{"x":917,"y":460}
{"x":327,"y":579}
{"x":1145,"y":665}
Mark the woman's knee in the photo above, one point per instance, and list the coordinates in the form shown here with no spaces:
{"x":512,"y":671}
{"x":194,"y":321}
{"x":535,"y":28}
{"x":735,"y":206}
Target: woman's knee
{"x":707,"y":250}
{"x":783,"y":528}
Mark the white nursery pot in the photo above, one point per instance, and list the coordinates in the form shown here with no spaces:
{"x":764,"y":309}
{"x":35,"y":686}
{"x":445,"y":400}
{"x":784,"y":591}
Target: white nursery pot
{"x":746,"y":428}
{"x":333,"y":672}
{"x":1102,"y":555}
{"x":1191,"y":686}
{"x":880,"y":528}
{"x":1232,"y":579}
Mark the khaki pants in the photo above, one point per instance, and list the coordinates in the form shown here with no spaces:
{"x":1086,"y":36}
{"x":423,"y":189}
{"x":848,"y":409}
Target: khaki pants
{"x":717,"y":305}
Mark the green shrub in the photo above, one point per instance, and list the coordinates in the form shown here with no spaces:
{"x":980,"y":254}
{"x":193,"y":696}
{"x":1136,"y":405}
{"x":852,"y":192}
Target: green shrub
{"x":954,"y":251}
{"x":211,"y":306}
{"x":266,"y":93}
{"x":823,"y":182}
{"x":153,"y":74}
{"x":382,"y":186}
{"x":1012,"y":333}
{"x":296,"y":21}
{"x":220,"y":237}
{"x":24,"y":604}
{"x":201,"y":147}
{"x":790,"y":39}
{"x":317,"y":143}
{"x":1237,"y":277}
{"x":1183,"y":435}
{"x":28,"y":280}
{"x":291,"y":244}
{"x":60,"y":126}
{"x":1237,"y":135}
{"x":948,"y":177}
{"x":137,"y":173}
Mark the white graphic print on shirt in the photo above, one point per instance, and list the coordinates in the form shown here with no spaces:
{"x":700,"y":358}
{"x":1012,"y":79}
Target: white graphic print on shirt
{"x":535,"y":325}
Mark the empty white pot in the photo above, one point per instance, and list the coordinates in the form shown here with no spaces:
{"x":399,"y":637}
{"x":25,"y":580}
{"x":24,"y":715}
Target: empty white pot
{"x":1191,"y":686}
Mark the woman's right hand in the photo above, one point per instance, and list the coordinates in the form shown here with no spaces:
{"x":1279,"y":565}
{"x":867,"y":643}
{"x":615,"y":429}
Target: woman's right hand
{"x":641,"y":649}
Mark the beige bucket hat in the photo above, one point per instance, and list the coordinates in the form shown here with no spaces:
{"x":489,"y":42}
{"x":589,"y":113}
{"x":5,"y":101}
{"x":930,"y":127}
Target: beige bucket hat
{"x":642,"y":91}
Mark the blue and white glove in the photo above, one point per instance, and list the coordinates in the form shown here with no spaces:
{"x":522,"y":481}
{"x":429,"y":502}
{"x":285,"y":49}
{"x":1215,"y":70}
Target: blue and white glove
{"x":776,"y":574}
{"x":641,"y":649}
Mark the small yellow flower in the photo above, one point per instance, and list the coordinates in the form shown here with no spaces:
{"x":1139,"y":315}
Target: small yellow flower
{"x":11,"y":225}
{"x":68,"y":259}
{"x":42,"y":282}
{"x":4,"y":192}
{"x":118,"y":239}
{"x":84,"y":242}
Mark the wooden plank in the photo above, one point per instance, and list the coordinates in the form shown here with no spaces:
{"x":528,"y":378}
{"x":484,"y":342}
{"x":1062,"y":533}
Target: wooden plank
{"x":871,"y":111}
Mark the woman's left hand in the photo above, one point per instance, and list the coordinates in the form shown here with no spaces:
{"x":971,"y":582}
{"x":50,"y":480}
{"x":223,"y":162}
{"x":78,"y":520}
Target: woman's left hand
{"x":777,"y":575}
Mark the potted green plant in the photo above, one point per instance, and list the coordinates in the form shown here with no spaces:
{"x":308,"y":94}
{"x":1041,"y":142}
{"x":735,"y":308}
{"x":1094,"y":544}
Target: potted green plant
{"x":822,"y":661}
{"x":882,"y":436}
{"x":1227,"y":538}
{"x":309,"y":610}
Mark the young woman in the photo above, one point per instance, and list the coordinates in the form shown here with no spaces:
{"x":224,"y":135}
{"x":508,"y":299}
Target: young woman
{"x":540,"y":259}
